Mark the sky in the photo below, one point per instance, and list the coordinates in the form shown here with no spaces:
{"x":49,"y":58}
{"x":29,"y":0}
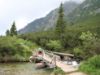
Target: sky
{"x":24,"y":11}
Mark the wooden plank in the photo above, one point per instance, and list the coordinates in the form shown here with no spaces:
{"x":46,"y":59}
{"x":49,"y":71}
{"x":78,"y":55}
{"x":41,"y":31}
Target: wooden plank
{"x":59,"y":53}
{"x":60,"y":64}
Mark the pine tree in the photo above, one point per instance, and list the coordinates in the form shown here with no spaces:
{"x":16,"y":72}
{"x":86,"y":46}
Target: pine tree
{"x":7,"y":33}
{"x":13,"y":30}
{"x":60,"y":24}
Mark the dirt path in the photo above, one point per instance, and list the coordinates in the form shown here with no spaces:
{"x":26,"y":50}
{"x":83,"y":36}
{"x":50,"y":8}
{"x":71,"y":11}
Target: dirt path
{"x":77,"y":73}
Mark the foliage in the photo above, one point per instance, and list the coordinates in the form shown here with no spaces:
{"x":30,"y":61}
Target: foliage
{"x":58,"y":71}
{"x":78,"y":52}
{"x":54,"y":45}
{"x":60,"y":25}
{"x":14,"y":49}
{"x":91,"y":66}
{"x":7,"y":33}
{"x":90,"y":44}
{"x":13,"y":30}
{"x":88,"y":36}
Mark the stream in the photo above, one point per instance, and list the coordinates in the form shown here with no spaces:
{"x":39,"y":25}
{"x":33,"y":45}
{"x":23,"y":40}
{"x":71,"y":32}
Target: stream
{"x":21,"y":69}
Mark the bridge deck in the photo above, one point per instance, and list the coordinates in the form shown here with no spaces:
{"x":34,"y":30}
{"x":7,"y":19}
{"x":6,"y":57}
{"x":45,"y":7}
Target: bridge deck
{"x":60,"y":64}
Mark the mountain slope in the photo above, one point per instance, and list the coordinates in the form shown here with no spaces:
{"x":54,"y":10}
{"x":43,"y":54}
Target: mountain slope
{"x":85,"y":17}
{"x":87,"y":9}
{"x":48,"y":21}
{"x":79,"y":15}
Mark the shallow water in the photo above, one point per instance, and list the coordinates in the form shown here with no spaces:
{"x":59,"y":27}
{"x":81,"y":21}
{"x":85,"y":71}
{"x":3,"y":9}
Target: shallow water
{"x":21,"y":69}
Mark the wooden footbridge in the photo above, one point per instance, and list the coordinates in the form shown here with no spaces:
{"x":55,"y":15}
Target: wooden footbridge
{"x":54,"y":58}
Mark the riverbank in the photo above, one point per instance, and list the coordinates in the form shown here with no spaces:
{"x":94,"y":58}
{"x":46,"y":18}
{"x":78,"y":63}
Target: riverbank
{"x":21,"y":69}
{"x":26,"y":69}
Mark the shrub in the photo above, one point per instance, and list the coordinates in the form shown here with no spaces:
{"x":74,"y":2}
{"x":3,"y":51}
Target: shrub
{"x":91,"y":66}
{"x":90,"y":44}
{"x":78,"y":52}
{"x":58,"y":71}
{"x":54,"y":45}
{"x":14,"y":49}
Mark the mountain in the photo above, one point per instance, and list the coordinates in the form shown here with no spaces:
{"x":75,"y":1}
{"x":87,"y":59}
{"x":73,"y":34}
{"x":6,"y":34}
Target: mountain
{"x":84,"y":16}
{"x":85,"y":10}
{"x":48,"y":21}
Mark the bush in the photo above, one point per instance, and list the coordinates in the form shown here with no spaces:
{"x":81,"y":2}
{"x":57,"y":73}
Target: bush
{"x":91,"y":66}
{"x":90,"y":44}
{"x":54,"y":45}
{"x":14,"y":49}
{"x":78,"y":52}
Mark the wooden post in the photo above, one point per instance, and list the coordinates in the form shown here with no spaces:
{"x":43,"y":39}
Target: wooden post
{"x":54,"y":58}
